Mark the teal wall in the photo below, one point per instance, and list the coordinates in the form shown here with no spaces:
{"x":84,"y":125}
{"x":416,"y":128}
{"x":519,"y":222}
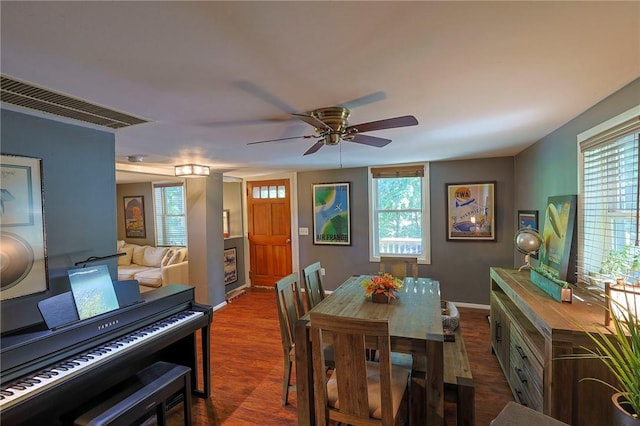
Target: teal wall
{"x":550,"y":166}
{"x":78,"y":183}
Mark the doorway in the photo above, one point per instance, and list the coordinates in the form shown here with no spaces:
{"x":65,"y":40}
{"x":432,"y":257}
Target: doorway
{"x":269,"y":223}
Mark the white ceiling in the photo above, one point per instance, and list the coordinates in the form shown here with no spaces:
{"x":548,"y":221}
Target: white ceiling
{"x":482,"y":78}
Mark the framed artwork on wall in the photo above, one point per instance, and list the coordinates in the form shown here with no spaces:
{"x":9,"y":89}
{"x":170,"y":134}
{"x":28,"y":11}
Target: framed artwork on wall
{"x":528,"y":219}
{"x":22,"y":231}
{"x":331,"y":214}
{"x":134,"y":217}
{"x":471,"y":212}
{"x":230,"y":266}
{"x":557,"y":234}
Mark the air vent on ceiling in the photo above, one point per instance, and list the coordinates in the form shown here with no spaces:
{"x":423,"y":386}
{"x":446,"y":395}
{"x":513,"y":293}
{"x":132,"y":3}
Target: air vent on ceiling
{"x":26,"y":95}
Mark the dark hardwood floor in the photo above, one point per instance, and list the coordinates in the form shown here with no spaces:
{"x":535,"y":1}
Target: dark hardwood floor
{"x":246,"y":365}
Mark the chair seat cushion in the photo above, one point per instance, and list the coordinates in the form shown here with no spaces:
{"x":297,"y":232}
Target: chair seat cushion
{"x":399,"y":380}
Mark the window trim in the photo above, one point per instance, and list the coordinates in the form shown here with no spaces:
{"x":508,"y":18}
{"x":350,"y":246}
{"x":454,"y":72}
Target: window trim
{"x":425,"y":257}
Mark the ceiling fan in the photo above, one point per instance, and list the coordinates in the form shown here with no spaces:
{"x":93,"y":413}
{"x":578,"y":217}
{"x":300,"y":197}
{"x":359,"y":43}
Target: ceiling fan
{"x":331,"y":126}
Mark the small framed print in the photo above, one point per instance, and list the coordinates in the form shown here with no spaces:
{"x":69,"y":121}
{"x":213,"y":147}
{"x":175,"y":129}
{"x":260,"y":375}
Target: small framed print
{"x":471,"y":212}
{"x":528,"y":219}
{"x":230,"y":266}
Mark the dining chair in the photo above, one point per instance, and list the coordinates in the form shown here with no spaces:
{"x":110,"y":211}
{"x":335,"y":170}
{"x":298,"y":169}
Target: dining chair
{"x":399,"y":267}
{"x":357,"y":391}
{"x":289,"y":302}
{"x":313,"y":284}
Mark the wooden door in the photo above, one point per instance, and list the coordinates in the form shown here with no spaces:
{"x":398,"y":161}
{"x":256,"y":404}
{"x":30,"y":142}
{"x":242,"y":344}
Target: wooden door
{"x":269,"y":213}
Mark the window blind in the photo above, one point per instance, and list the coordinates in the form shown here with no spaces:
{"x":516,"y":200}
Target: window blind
{"x":609,"y":186}
{"x":170,"y":215}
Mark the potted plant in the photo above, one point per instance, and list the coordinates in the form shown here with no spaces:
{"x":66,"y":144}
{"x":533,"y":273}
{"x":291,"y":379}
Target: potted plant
{"x":620,"y":353}
{"x":621,"y":263}
{"x":382,"y":288}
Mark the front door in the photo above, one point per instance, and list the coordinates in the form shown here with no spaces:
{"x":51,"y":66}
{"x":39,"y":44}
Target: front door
{"x":269,"y":213}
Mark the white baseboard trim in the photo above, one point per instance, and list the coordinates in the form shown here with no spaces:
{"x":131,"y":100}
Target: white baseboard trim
{"x":220,"y":305}
{"x":472,"y":305}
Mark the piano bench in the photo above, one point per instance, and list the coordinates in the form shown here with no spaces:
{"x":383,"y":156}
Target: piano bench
{"x":137,"y":396}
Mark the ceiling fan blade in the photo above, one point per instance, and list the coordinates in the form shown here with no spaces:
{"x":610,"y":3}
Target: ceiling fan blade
{"x":370,"y":140}
{"x":263,"y":94}
{"x":364,"y":100}
{"x":315,"y":147}
{"x":389,"y":123}
{"x":283,"y":139}
{"x":309,"y":119}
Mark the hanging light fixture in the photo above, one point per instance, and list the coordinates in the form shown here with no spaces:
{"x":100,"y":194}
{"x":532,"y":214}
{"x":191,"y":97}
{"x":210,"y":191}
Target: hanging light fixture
{"x":191,"y":170}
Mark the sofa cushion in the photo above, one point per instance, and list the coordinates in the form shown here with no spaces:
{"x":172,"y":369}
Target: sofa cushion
{"x":178,"y":256}
{"x":138,"y":253}
{"x":129,"y":272}
{"x":151,"y":277}
{"x":153,"y":256}
{"x":128,"y":255}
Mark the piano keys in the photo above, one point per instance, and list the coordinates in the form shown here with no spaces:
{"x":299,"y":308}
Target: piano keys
{"x":47,"y":376}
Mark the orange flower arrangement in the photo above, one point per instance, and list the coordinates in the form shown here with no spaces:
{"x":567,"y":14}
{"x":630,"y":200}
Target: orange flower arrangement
{"x":382,"y":284}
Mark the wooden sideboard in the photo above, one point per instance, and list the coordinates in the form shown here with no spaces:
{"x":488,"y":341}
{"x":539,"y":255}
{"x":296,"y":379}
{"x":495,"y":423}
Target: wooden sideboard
{"x":530,"y":335}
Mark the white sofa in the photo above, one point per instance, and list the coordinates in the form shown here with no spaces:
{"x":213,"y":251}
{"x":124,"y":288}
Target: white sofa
{"x":153,"y":267}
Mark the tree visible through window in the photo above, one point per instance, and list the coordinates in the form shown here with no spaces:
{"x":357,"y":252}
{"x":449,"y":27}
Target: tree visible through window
{"x":400,"y":223}
{"x":171,"y":227}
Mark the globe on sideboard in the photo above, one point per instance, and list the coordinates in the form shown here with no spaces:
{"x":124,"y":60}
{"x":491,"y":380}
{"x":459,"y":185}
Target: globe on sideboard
{"x":528,"y":241}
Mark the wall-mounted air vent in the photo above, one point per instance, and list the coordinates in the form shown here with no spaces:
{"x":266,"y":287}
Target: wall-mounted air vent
{"x":26,"y":95}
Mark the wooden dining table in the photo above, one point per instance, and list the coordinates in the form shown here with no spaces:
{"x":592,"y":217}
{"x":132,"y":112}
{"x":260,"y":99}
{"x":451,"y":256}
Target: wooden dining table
{"x":415,"y":327}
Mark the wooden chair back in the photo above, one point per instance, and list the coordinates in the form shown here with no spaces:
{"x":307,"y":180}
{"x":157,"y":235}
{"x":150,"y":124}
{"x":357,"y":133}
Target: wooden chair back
{"x":399,"y":267}
{"x":290,"y":308}
{"x":313,"y":284}
{"x":348,"y":337}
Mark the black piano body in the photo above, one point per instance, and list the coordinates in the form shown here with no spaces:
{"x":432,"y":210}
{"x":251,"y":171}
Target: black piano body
{"x":22,"y":355}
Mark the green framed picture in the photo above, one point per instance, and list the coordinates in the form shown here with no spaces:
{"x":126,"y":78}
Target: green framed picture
{"x":331,"y":214}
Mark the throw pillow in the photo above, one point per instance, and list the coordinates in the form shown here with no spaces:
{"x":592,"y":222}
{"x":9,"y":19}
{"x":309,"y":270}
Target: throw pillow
{"x":167,"y":257}
{"x":138,"y":254}
{"x":153,"y":256}
{"x":178,"y":256}
{"x":126,"y":259}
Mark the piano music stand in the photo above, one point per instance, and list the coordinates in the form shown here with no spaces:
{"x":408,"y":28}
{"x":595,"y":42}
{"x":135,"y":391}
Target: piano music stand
{"x":60,"y":309}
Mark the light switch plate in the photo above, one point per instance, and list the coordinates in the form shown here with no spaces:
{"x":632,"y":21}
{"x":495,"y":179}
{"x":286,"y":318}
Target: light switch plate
{"x":303,"y":231}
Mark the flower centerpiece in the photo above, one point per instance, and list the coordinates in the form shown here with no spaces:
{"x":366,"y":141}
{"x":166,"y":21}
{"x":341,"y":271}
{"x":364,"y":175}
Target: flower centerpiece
{"x":381,"y":288}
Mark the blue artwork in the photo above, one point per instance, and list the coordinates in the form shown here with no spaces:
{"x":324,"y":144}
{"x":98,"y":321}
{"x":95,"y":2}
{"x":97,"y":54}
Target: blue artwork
{"x":331,"y":215}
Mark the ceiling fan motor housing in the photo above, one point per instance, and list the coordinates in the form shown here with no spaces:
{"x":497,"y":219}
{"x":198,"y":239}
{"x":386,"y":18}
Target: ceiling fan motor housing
{"x":336,"y":118}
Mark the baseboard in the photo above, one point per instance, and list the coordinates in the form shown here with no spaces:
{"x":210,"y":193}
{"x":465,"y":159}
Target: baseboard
{"x":472,"y":305}
{"x":220,"y":305}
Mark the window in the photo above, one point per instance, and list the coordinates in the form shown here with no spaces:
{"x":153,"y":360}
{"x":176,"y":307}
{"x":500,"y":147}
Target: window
{"x":609,"y":203}
{"x":399,"y":220}
{"x":171,"y":227}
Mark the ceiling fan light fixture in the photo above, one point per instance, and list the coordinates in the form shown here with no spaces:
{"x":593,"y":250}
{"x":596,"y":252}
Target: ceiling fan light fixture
{"x":332,"y":139}
{"x":191,"y":170}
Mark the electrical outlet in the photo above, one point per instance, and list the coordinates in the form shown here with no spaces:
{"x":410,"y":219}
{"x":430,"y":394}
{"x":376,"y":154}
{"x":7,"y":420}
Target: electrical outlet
{"x":322,"y":272}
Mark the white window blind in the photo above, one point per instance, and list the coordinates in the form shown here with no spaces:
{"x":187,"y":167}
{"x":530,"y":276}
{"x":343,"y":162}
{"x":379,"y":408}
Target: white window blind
{"x":171,"y":227}
{"x":398,"y":207}
{"x":609,"y":194}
